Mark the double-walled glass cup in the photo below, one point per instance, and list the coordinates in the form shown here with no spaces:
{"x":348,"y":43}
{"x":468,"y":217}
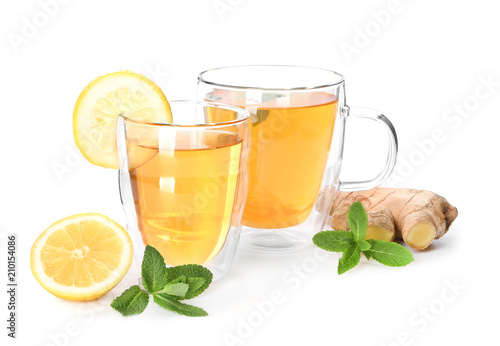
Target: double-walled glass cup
{"x":298,"y":117}
{"x":183,"y":184}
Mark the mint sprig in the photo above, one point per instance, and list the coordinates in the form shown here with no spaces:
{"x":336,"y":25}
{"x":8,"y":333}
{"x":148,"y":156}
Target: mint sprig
{"x":352,"y":243}
{"x":166,"y":285}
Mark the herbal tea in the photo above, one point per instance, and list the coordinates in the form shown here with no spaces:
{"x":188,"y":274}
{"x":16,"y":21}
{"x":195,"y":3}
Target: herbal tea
{"x":290,"y":143}
{"x":184,"y":193}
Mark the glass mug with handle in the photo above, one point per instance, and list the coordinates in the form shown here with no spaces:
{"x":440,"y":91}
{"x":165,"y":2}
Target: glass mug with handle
{"x":298,"y":117}
{"x":183,"y":184}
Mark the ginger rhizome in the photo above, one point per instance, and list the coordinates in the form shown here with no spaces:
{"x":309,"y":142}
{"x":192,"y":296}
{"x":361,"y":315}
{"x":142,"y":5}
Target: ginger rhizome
{"x":416,"y":216}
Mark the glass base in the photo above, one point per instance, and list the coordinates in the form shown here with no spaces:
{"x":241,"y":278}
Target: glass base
{"x":273,"y":240}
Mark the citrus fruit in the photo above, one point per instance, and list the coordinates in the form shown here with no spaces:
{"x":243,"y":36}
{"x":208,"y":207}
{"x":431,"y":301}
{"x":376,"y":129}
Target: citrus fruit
{"x":102,"y":101}
{"x":81,"y":257}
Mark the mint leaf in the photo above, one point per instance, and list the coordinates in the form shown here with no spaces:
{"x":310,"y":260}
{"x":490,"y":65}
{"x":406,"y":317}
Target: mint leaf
{"x":258,"y":116}
{"x":266,"y":97}
{"x":213,"y":97}
{"x":153,"y":270}
{"x":389,"y":253}
{"x":177,"y":290}
{"x":364,"y":245}
{"x":195,"y":285}
{"x":132,"y":301}
{"x":190,"y":271}
{"x":350,"y":258}
{"x":358,"y":221}
{"x":367,"y":254}
{"x":171,"y":303}
{"x":333,"y":241}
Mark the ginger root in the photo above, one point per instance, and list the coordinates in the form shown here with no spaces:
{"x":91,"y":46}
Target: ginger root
{"x":416,"y":216}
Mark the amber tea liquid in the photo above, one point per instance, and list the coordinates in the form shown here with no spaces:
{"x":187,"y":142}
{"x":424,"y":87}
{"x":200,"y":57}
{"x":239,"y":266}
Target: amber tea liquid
{"x":184,"y":194}
{"x":290,"y":142}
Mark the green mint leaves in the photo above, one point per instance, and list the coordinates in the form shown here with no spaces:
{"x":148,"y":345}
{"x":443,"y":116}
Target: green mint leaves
{"x":166,"y":285}
{"x":196,"y":277}
{"x":352,"y":243}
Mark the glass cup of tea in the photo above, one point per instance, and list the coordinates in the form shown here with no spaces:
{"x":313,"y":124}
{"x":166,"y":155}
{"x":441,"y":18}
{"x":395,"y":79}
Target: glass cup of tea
{"x":183,"y":184}
{"x":298,"y":118}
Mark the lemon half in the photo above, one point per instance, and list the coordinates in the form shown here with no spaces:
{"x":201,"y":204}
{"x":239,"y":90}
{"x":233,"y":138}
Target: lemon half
{"x":81,"y":257}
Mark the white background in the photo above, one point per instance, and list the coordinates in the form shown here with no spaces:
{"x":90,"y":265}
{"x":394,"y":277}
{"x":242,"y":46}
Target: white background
{"x":415,"y":65}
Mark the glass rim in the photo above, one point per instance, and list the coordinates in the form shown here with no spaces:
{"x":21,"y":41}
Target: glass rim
{"x":338,"y":75}
{"x":245,"y":115}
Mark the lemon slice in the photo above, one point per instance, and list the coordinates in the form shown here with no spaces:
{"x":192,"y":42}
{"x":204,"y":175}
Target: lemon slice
{"x":81,"y":257}
{"x":99,"y":104}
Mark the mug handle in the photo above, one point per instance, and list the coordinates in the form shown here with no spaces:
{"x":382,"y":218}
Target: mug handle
{"x":371,"y":114}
